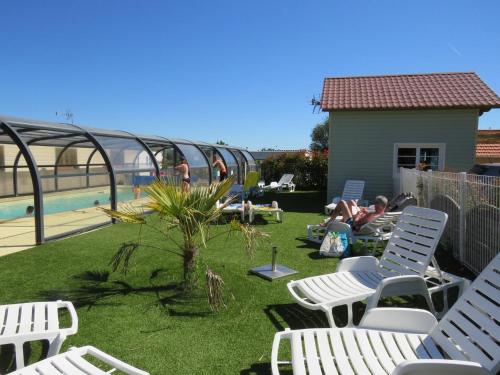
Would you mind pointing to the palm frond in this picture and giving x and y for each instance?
(126, 213)
(215, 289)
(253, 237)
(123, 255)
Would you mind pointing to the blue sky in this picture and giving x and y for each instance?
(239, 71)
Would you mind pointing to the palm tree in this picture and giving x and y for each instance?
(192, 214)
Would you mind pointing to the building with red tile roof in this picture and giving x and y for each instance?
(488, 153)
(379, 124)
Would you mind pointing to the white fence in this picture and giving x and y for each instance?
(472, 203)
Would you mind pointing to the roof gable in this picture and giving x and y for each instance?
(409, 91)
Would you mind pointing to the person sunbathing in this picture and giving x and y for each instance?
(357, 216)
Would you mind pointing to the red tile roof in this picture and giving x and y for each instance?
(408, 91)
(488, 149)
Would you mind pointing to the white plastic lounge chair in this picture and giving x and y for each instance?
(264, 209)
(73, 362)
(285, 182)
(377, 230)
(234, 208)
(353, 190)
(34, 321)
(400, 270)
(407, 341)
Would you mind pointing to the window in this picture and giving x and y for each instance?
(410, 155)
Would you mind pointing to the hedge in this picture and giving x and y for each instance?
(310, 173)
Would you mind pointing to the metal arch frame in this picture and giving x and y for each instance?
(35, 179)
(222, 156)
(56, 164)
(240, 178)
(244, 161)
(209, 164)
(149, 151)
(35, 140)
(225, 161)
(174, 146)
(87, 170)
(109, 166)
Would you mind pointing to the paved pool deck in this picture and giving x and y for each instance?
(19, 234)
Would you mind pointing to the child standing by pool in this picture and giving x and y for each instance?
(137, 191)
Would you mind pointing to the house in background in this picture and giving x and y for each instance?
(381, 123)
(488, 146)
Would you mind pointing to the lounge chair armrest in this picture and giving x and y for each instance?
(405, 285)
(74, 318)
(299, 299)
(355, 264)
(439, 367)
(116, 363)
(399, 319)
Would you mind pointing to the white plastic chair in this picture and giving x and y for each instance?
(406, 341)
(284, 182)
(73, 362)
(34, 321)
(400, 270)
(377, 230)
(353, 190)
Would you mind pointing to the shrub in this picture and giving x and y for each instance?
(310, 173)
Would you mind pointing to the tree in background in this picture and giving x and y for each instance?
(319, 136)
(221, 142)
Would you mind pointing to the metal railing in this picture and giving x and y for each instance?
(472, 203)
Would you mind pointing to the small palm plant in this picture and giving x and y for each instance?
(192, 214)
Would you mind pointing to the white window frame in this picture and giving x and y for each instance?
(418, 146)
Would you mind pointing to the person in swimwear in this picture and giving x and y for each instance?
(217, 163)
(357, 216)
(183, 170)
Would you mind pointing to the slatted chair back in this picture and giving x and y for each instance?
(286, 179)
(353, 190)
(470, 329)
(414, 239)
(386, 220)
(283, 179)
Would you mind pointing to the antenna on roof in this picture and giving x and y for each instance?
(68, 115)
(316, 104)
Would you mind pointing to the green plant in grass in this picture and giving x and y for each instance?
(192, 214)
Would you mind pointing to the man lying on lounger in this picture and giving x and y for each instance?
(357, 216)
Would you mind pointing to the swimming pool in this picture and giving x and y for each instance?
(62, 202)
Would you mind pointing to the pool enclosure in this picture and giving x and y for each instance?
(54, 177)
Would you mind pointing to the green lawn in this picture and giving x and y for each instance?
(140, 318)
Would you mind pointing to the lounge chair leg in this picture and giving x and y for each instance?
(349, 316)
(55, 345)
(19, 355)
(329, 316)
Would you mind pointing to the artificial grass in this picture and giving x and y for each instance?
(142, 319)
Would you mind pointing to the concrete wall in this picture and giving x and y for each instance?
(362, 144)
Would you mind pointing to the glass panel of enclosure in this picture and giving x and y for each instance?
(250, 161)
(126, 153)
(198, 166)
(166, 159)
(242, 164)
(231, 164)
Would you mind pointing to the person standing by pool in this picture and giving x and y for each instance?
(183, 169)
(217, 163)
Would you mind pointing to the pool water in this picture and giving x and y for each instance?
(64, 202)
